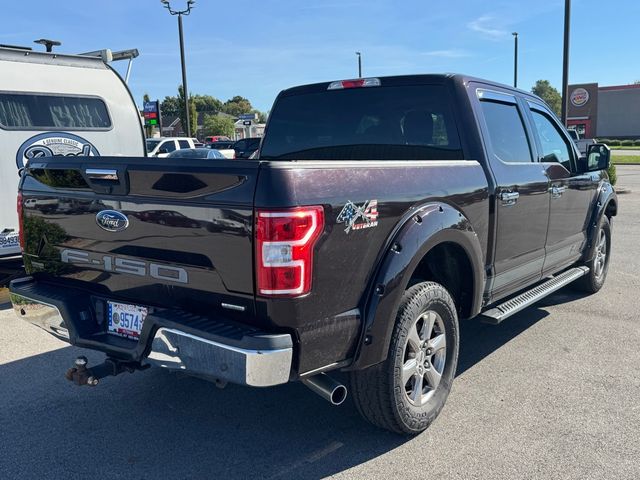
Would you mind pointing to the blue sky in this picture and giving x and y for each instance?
(255, 49)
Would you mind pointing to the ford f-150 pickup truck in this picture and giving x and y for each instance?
(377, 213)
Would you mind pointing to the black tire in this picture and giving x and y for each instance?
(379, 392)
(594, 280)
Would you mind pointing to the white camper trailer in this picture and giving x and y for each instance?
(58, 105)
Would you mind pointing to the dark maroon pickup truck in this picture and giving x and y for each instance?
(376, 214)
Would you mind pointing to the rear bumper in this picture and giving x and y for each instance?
(213, 348)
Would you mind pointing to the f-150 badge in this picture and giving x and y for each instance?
(359, 217)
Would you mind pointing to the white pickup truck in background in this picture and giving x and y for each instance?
(581, 143)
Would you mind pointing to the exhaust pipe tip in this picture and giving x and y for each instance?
(339, 395)
(325, 386)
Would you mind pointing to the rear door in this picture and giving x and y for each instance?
(185, 239)
(521, 203)
(570, 193)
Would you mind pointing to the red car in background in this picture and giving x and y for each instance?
(216, 138)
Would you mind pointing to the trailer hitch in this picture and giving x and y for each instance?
(80, 374)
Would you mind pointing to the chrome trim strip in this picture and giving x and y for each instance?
(177, 350)
(231, 306)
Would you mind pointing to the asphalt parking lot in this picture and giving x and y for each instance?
(553, 392)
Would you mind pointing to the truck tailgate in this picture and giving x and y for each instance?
(159, 232)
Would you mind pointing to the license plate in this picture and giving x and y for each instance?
(125, 320)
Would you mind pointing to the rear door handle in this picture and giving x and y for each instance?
(102, 174)
(509, 198)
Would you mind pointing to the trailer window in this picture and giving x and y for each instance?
(28, 111)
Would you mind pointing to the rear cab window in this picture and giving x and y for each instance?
(184, 144)
(31, 111)
(395, 122)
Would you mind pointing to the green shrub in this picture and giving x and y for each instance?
(637, 143)
(613, 177)
(627, 143)
(614, 143)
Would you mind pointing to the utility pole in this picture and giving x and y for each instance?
(359, 64)
(185, 90)
(515, 60)
(565, 60)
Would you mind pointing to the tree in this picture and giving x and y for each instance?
(546, 92)
(236, 106)
(218, 125)
(192, 112)
(170, 106)
(207, 103)
(148, 130)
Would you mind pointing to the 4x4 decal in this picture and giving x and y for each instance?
(359, 217)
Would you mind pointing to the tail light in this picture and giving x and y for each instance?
(284, 250)
(20, 221)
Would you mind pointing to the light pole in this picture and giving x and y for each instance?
(565, 60)
(359, 64)
(185, 90)
(515, 60)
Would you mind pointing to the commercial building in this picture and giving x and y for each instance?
(604, 112)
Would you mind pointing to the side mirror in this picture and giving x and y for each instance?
(598, 158)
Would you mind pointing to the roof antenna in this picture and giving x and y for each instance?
(49, 44)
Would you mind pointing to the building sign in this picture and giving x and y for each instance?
(152, 117)
(579, 97)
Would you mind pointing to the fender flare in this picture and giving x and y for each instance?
(424, 228)
(605, 196)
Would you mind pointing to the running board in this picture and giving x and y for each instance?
(500, 312)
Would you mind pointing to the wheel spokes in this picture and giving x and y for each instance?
(414, 339)
(409, 370)
(438, 343)
(416, 395)
(433, 377)
(427, 325)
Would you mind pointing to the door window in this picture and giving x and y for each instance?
(184, 144)
(555, 147)
(169, 146)
(506, 132)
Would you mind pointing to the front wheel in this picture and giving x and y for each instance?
(593, 281)
(406, 392)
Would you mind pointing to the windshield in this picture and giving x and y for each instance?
(378, 123)
(151, 144)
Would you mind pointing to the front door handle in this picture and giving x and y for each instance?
(509, 198)
(557, 191)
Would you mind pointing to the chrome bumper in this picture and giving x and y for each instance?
(41, 314)
(243, 362)
(176, 350)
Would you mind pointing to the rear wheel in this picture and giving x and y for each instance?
(599, 264)
(406, 392)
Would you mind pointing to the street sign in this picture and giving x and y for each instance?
(248, 116)
(152, 115)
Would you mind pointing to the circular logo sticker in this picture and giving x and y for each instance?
(54, 144)
(579, 97)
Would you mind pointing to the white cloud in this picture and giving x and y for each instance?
(483, 25)
(452, 53)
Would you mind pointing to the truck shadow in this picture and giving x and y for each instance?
(156, 424)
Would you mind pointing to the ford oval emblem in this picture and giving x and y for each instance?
(112, 220)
